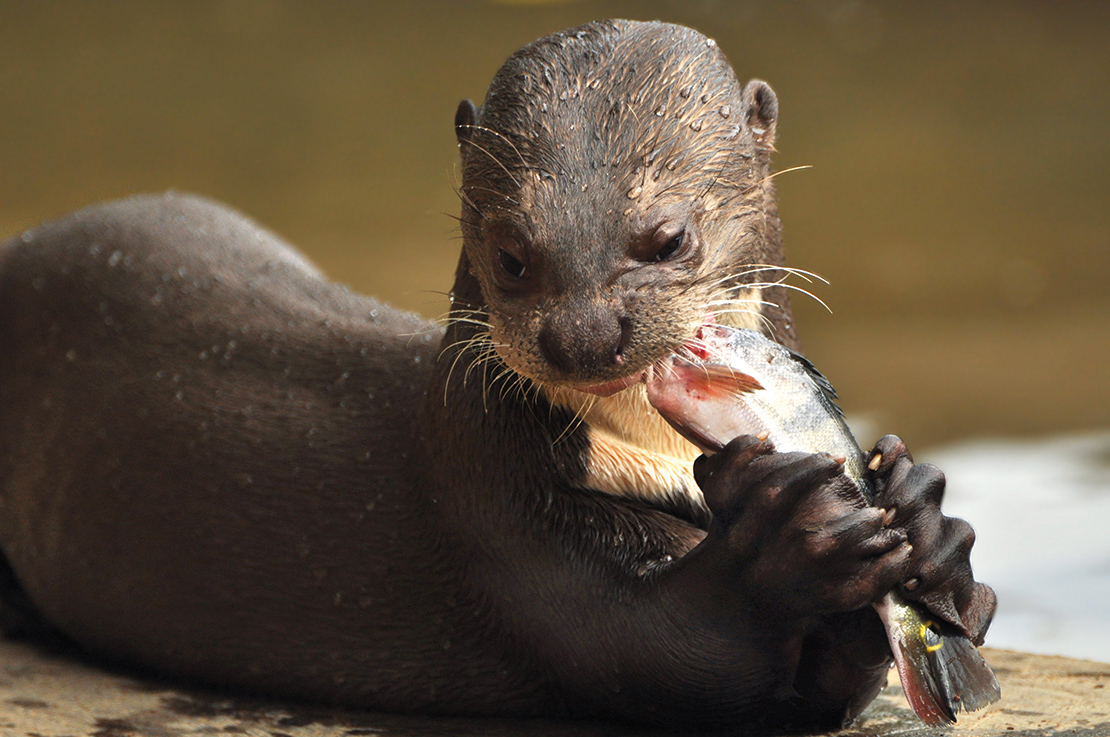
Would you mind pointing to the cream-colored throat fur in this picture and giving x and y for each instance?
(633, 451)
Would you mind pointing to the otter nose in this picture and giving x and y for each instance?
(585, 344)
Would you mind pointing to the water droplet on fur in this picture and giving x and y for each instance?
(695, 125)
(725, 111)
(635, 192)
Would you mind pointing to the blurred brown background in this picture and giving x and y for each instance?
(958, 200)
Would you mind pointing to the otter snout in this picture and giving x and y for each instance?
(586, 344)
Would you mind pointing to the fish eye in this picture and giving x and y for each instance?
(511, 265)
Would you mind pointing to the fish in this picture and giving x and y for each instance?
(735, 381)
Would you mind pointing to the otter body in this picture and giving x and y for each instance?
(217, 464)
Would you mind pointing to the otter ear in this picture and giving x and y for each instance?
(465, 118)
(761, 111)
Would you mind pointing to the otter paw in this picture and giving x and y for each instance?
(798, 532)
(939, 571)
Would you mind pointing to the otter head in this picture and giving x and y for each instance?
(616, 197)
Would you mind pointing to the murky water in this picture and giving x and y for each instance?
(957, 201)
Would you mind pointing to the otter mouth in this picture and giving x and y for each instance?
(694, 347)
(609, 388)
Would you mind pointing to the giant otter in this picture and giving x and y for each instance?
(217, 464)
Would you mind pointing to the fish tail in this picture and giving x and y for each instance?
(942, 673)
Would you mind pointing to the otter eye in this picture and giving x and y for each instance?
(511, 264)
(670, 248)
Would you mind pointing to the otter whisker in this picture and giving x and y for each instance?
(738, 302)
(431, 328)
(502, 195)
(461, 347)
(495, 160)
(576, 421)
(519, 385)
(771, 176)
(502, 136)
(806, 292)
(763, 319)
(781, 283)
(715, 281)
(469, 203)
(807, 276)
(468, 321)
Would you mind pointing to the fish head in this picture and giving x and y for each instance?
(698, 398)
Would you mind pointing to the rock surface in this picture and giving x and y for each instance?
(49, 694)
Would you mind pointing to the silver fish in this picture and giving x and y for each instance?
(735, 382)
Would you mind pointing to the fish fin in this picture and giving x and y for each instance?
(722, 381)
(942, 673)
(823, 384)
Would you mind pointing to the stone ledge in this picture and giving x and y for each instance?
(45, 694)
